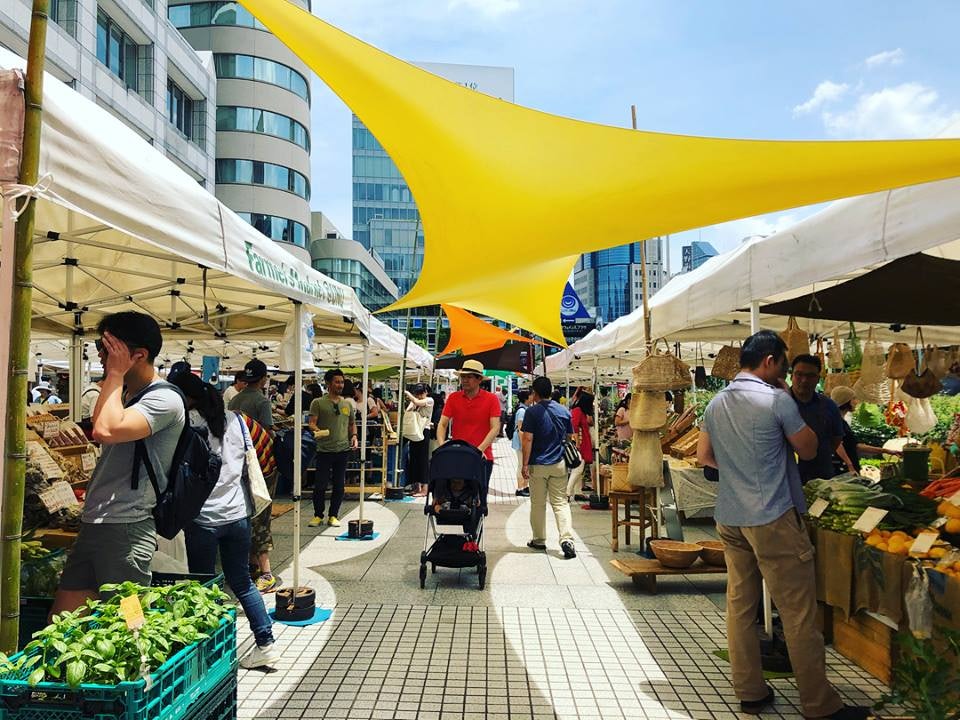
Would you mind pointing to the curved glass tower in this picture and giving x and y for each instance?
(262, 119)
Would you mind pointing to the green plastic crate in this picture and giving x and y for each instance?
(219, 704)
(181, 682)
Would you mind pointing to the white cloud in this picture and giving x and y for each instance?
(887, 57)
(491, 8)
(910, 110)
(826, 92)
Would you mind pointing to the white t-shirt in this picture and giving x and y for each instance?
(228, 501)
(229, 394)
(88, 400)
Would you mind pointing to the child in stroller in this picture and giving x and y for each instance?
(455, 497)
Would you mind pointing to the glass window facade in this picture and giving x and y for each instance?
(248, 67)
(385, 217)
(245, 119)
(180, 109)
(370, 291)
(117, 50)
(278, 228)
(255, 172)
(204, 14)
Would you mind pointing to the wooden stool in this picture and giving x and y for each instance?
(642, 520)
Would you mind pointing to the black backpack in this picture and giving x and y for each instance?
(512, 422)
(193, 475)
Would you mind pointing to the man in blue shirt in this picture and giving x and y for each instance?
(821, 415)
(546, 425)
(750, 431)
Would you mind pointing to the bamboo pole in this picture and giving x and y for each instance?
(15, 462)
(297, 441)
(402, 401)
(647, 340)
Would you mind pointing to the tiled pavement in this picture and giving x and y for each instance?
(547, 638)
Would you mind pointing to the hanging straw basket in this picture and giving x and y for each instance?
(648, 411)
(726, 364)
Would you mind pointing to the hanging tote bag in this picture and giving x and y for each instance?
(648, 411)
(645, 469)
(937, 360)
(835, 356)
(872, 367)
(921, 384)
(821, 356)
(413, 424)
(256, 484)
(852, 354)
(834, 380)
(726, 364)
(796, 339)
(700, 370)
(900, 361)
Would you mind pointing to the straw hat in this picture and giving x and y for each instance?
(471, 367)
(842, 394)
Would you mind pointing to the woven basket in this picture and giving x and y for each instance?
(618, 479)
(648, 411)
(657, 371)
(675, 554)
(712, 552)
(835, 356)
(900, 361)
(726, 364)
(796, 339)
(834, 380)
(872, 365)
(645, 468)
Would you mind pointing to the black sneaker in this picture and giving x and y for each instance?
(525, 492)
(851, 712)
(568, 549)
(755, 707)
(536, 546)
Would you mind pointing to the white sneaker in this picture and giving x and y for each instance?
(266, 656)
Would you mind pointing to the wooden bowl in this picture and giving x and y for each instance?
(712, 552)
(675, 554)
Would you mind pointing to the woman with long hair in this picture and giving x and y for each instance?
(622, 419)
(581, 416)
(418, 461)
(224, 521)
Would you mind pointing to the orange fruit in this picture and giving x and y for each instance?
(952, 526)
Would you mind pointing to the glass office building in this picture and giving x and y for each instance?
(610, 283)
(385, 216)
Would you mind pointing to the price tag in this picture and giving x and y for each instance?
(132, 612)
(88, 461)
(59, 496)
(955, 499)
(51, 429)
(818, 507)
(939, 522)
(869, 520)
(923, 543)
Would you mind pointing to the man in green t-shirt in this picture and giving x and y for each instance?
(334, 413)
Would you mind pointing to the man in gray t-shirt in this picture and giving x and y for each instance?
(117, 535)
(251, 401)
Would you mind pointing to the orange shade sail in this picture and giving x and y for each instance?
(470, 334)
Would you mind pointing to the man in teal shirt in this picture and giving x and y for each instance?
(334, 413)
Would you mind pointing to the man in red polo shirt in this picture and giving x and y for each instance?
(475, 414)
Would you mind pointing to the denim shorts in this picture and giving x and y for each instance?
(110, 553)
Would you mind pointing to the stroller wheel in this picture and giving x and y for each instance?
(423, 575)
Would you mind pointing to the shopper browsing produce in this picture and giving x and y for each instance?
(117, 535)
(751, 430)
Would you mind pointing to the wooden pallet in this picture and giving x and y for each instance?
(644, 572)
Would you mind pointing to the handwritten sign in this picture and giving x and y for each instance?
(923, 543)
(88, 461)
(869, 520)
(132, 612)
(59, 496)
(51, 429)
(818, 507)
(955, 499)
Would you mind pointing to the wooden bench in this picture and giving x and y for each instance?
(644, 571)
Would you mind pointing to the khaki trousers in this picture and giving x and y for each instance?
(549, 482)
(780, 553)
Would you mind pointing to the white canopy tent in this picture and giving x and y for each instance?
(119, 226)
(846, 240)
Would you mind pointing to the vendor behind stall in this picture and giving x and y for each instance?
(847, 458)
(821, 415)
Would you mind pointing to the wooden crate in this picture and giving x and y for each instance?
(866, 641)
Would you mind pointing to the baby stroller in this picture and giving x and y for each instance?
(455, 497)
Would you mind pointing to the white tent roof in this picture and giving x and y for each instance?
(847, 239)
(121, 227)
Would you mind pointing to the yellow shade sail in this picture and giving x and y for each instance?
(509, 196)
(471, 334)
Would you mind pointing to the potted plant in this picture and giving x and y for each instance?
(926, 678)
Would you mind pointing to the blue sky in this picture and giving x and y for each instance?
(833, 70)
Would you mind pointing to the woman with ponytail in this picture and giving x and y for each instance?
(224, 522)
